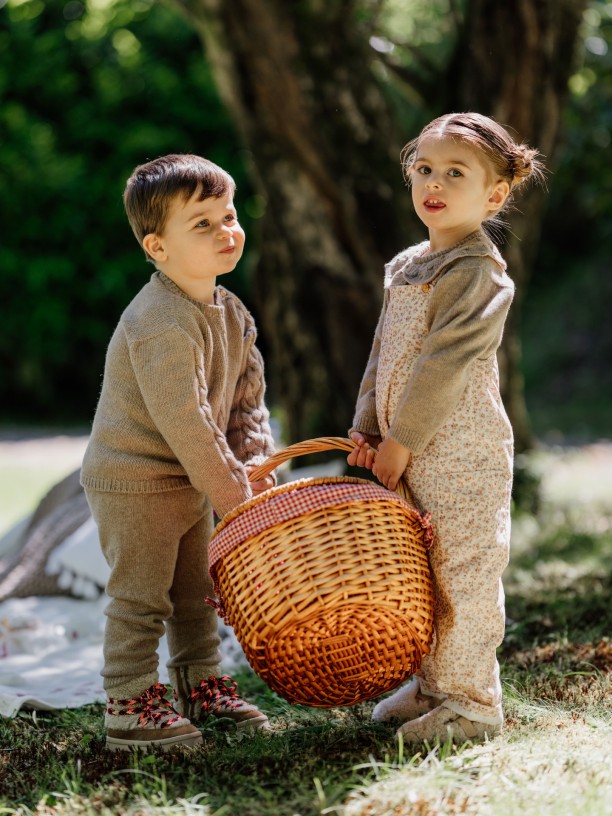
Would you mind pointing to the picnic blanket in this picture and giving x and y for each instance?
(52, 600)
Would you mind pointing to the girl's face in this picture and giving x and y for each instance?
(453, 189)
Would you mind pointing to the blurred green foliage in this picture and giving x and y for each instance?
(90, 89)
(87, 92)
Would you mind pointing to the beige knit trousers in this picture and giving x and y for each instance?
(156, 545)
(464, 479)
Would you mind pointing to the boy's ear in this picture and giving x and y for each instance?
(500, 193)
(153, 245)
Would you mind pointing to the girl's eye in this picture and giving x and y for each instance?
(424, 170)
(229, 218)
(203, 223)
(455, 173)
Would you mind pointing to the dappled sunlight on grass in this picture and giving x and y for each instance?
(554, 757)
(544, 763)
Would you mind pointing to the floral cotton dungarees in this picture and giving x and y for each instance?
(463, 478)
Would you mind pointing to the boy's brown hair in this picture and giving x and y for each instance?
(151, 188)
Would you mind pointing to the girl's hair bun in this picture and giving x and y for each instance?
(523, 163)
(513, 161)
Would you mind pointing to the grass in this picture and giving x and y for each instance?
(554, 757)
(28, 469)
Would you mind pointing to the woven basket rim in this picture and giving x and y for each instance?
(284, 506)
(298, 484)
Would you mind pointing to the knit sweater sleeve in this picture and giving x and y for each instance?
(170, 371)
(467, 312)
(248, 429)
(365, 419)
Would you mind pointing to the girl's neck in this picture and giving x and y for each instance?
(439, 242)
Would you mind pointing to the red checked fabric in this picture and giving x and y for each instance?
(289, 505)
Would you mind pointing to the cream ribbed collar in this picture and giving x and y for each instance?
(416, 265)
(220, 292)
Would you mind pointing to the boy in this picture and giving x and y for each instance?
(180, 422)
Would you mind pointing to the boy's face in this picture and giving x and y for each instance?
(200, 240)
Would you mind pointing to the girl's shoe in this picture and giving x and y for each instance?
(148, 720)
(217, 697)
(407, 703)
(442, 724)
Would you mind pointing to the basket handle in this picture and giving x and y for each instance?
(321, 443)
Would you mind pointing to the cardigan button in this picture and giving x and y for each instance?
(426, 287)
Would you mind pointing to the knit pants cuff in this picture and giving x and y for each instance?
(128, 689)
(186, 678)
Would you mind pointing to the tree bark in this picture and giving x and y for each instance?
(325, 157)
(513, 61)
(298, 80)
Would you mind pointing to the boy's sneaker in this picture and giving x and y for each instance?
(217, 697)
(148, 720)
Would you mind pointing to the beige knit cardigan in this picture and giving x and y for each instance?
(470, 295)
(182, 399)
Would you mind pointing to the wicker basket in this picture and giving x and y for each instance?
(326, 583)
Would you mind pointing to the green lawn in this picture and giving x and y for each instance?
(553, 759)
(29, 467)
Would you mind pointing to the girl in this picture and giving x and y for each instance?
(429, 406)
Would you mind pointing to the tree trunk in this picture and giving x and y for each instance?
(325, 158)
(298, 80)
(513, 61)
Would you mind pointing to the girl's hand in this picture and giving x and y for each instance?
(391, 461)
(363, 454)
(261, 485)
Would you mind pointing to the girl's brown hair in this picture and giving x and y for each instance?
(508, 160)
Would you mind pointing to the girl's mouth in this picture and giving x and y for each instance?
(228, 250)
(433, 204)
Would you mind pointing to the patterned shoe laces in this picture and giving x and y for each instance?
(215, 693)
(151, 705)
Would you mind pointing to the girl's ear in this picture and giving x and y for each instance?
(153, 245)
(499, 194)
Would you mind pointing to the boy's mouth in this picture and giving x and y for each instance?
(228, 250)
(433, 204)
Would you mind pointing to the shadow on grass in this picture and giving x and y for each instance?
(557, 648)
(580, 612)
(251, 775)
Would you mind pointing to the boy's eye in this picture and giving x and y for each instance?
(424, 170)
(230, 217)
(203, 223)
(454, 172)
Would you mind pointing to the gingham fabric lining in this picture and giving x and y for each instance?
(288, 505)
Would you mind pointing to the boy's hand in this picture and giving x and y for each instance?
(261, 485)
(363, 454)
(391, 461)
